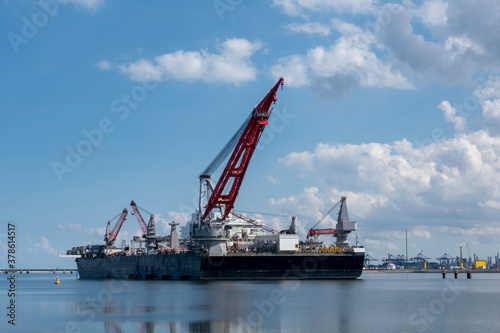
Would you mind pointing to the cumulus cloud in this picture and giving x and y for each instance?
(450, 114)
(42, 247)
(432, 190)
(386, 51)
(349, 63)
(104, 65)
(310, 28)
(431, 12)
(301, 7)
(423, 58)
(231, 64)
(374, 244)
(489, 98)
(483, 230)
(477, 21)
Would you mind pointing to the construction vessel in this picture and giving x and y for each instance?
(219, 243)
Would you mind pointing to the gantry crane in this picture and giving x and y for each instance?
(111, 235)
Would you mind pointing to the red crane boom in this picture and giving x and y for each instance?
(236, 167)
(138, 215)
(316, 232)
(118, 226)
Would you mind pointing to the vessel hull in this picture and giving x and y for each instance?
(188, 266)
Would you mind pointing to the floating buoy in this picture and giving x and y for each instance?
(57, 280)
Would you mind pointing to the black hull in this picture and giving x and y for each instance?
(188, 266)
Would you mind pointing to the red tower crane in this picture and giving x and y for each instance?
(138, 215)
(111, 235)
(229, 183)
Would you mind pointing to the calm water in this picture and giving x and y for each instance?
(378, 302)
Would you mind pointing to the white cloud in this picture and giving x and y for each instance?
(450, 114)
(432, 12)
(141, 70)
(89, 4)
(310, 28)
(104, 65)
(162, 223)
(458, 45)
(388, 52)
(483, 230)
(179, 217)
(374, 244)
(273, 180)
(312, 204)
(418, 231)
(450, 187)
(76, 227)
(489, 98)
(42, 248)
(347, 64)
(453, 182)
(298, 7)
(231, 64)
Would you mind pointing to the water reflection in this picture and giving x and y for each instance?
(376, 302)
(221, 306)
(172, 327)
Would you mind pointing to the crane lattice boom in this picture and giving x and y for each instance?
(118, 226)
(138, 215)
(317, 232)
(234, 172)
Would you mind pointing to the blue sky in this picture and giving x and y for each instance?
(396, 105)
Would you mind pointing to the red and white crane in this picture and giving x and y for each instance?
(111, 235)
(313, 232)
(138, 215)
(242, 145)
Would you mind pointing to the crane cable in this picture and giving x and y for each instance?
(115, 217)
(261, 213)
(229, 147)
(145, 211)
(324, 216)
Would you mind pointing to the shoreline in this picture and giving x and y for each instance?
(38, 270)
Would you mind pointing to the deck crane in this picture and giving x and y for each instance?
(313, 232)
(343, 227)
(138, 215)
(111, 235)
(242, 145)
